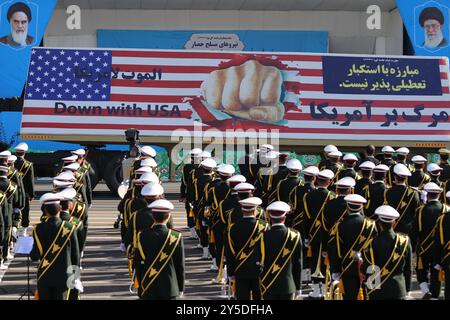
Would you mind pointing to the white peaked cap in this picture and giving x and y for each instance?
(71, 158)
(147, 151)
(143, 170)
(432, 187)
(348, 182)
(387, 149)
(209, 163)
(367, 165)
(294, 165)
(387, 213)
(148, 178)
(66, 176)
(402, 150)
(311, 171)
(195, 152)
(12, 159)
(152, 189)
(278, 209)
(330, 148)
(381, 168)
(418, 159)
(205, 154)
(148, 162)
(73, 166)
(434, 169)
(79, 152)
(355, 199)
(350, 156)
(238, 178)
(335, 154)
(50, 198)
(226, 169)
(401, 170)
(251, 202)
(68, 193)
(244, 187)
(326, 174)
(22, 146)
(161, 205)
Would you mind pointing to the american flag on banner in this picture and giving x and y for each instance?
(72, 93)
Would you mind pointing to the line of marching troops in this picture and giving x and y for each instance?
(59, 237)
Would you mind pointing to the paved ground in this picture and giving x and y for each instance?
(105, 273)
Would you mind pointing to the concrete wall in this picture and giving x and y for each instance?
(347, 29)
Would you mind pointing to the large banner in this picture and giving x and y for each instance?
(98, 93)
(222, 40)
(428, 25)
(22, 26)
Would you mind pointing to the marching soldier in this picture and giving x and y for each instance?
(434, 170)
(392, 253)
(388, 151)
(15, 177)
(227, 205)
(281, 257)
(85, 171)
(314, 204)
(325, 162)
(366, 177)
(441, 250)
(418, 178)
(263, 183)
(404, 199)
(242, 254)
(422, 237)
(348, 170)
(218, 191)
(198, 171)
(444, 163)
(348, 238)
(402, 154)
(284, 187)
(374, 193)
(370, 155)
(258, 161)
(56, 248)
(186, 183)
(280, 174)
(334, 161)
(244, 191)
(145, 152)
(26, 170)
(159, 257)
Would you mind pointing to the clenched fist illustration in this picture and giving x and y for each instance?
(250, 91)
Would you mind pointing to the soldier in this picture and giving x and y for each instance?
(348, 238)
(402, 154)
(199, 195)
(85, 171)
(366, 176)
(281, 257)
(159, 258)
(434, 170)
(284, 187)
(280, 174)
(198, 171)
(242, 258)
(145, 152)
(218, 191)
(418, 178)
(334, 161)
(263, 184)
(348, 170)
(59, 236)
(187, 183)
(15, 177)
(26, 170)
(422, 237)
(258, 161)
(391, 252)
(325, 162)
(444, 163)
(227, 205)
(370, 155)
(388, 151)
(441, 249)
(374, 193)
(314, 204)
(403, 198)
(244, 190)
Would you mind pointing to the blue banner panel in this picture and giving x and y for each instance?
(427, 24)
(22, 26)
(383, 76)
(233, 40)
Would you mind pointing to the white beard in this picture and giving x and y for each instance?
(19, 37)
(435, 41)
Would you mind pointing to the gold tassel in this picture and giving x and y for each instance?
(212, 239)
(36, 295)
(419, 263)
(441, 275)
(136, 282)
(326, 261)
(191, 213)
(341, 286)
(361, 294)
(309, 253)
(130, 267)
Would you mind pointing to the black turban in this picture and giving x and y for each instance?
(19, 7)
(431, 13)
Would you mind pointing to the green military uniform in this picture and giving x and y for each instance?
(281, 261)
(285, 187)
(441, 249)
(159, 263)
(199, 195)
(16, 178)
(333, 211)
(187, 183)
(243, 256)
(392, 253)
(390, 174)
(12, 201)
(361, 184)
(26, 170)
(348, 238)
(131, 202)
(296, 216)
(59, 236)
(374, 194)
(418, 179)
(445, 165)
(422, 237)
(2, 208)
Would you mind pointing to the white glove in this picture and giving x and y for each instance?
(298, 294)
(16, 210)
(78, 285)
(324, 254)
(335, 276)
(306, 243)
(181, 294)
(14, 232)
(437, 267)
(231, 279)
